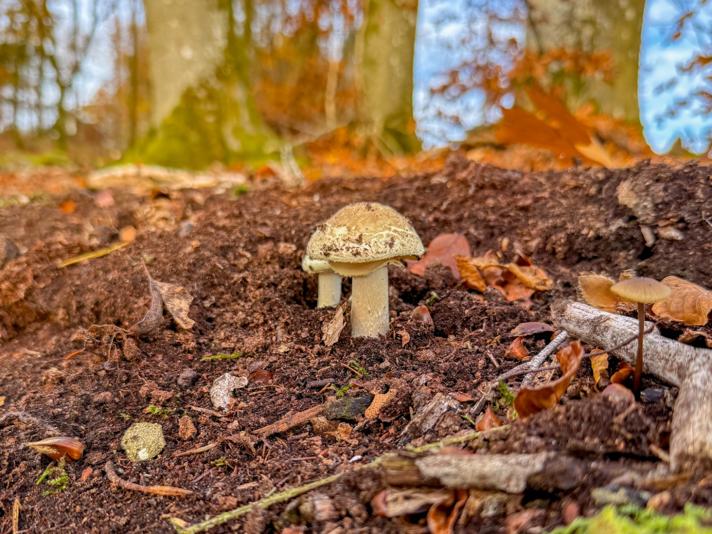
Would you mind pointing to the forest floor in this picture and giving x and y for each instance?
(71, 365)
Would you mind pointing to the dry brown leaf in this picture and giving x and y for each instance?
(177, 301)
(621, 375)
(59, 447)
(688, 303)
(599, 366)
(152, 319)
(443, 515)
(596, 291)
(532, 400)
(380, 401)
(470, 274)
(696, 338)
(517, 350)
(531, 276)
(531, 329)
(488, 421)
(332, 330)
(443, 250)
(513, 291)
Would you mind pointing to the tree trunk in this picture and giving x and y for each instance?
(202, 106)
(590, 26)
(384, 58)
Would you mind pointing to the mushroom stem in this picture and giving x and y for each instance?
(369, 304)
(329, 290)
(639, 354)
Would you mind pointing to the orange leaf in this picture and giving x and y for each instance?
(622, 374)
(688, 303)
(488, 421)
(596, 291)
(443, 250)
(68, 207)
(532, 329)
(470, 274)
(59, 447)
(442, 516)
(532, 400)
(517, 350)
(531, 276)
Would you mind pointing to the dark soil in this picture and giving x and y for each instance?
(239, 257)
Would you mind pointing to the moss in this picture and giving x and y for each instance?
(221, 356)
(143, 441)
(55, 477)
(158, 410)
(632, 520)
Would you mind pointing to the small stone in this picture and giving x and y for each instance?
(187, 377)
(671, 233)
(131, 351)
(652, 395)
(143, 441)
(185, 229)
(348, 408)
(221, 392)
(102, 398)
(186, 428)
(570, 510)
(618, 393)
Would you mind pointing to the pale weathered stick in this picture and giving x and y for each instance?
(688, 367)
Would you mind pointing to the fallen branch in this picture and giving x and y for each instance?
(197, 450)
(684, 366)
(164, 491)
(290, 421)
(92, 255)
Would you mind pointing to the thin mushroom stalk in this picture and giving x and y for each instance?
(369, 304)
(639, 355)
(329, 290)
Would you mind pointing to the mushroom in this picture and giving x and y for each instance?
(642, 291)
(329, 282)
(359, 241)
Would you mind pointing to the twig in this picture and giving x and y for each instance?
(197, 450)
(206, 411)
(290, 421)
(164, 491)
(16, 516)
(547, 351)
(92, 255)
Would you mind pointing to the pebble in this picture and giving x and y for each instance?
(143, 441)
(348, 408)
(186, 428)
(652, 395)
(187, 377)
(221, 391)
(618, 393)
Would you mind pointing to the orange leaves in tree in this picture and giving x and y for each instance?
(688, 303)
(532, 400)
(444, 249)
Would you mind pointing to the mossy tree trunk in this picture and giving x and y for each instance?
(202, 106)
(590, 26)
(384, 70)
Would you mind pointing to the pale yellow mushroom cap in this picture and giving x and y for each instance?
(642, 290)
(364, 233)
(313, 266)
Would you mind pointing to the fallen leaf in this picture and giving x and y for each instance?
(513, 291)
(461, 396)
(696, 338)
(622, 374)
(599, 366)
(260, 376)
(443, 515)
(332, 330)
(68, 207)
(177, 301)
(380, 401)
(152, 318)
(399, 502)
(596, 290)
(444, 250)
(59, 447)
(530, 275)
(488, 421)
(86, 473)
(517, 350)
(531, 329)
(470, 274)
(688, 303)
(405, 337)
(532, 400)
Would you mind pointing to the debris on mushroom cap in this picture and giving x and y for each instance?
(642, 290)
(310, 265)
(365, 232)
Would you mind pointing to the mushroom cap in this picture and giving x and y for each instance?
(642, 290)
(365, 232)
(311, 265)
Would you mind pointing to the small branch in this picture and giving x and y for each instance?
(197, 450)
(289, 421)
(16, 516)
(547, 351)
(164, 491)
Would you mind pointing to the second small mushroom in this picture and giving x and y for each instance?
(329, 282)
(359, 241)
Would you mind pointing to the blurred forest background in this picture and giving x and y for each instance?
(238, 83)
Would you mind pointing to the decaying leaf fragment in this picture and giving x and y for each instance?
(443, 515)
(599, 366)
(176, 300)
(621, 375)
(688, 303)
(488, 421)
(530, 275)
(470, 274)
(532, 400)
(532, 328)
(59, 447)
(596, 290)
(444, 249)
(517, 350)
(332, 330)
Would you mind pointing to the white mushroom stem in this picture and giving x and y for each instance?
(369, 304)
(684, 366)
(329, 290)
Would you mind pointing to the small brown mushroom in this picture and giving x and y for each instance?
(329, 282)
(641, 291)
(359, 241)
